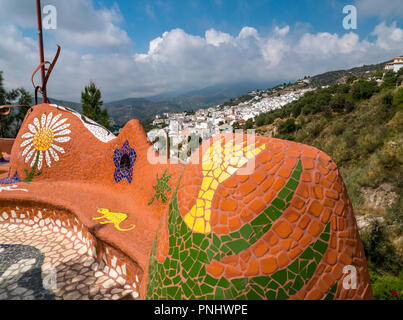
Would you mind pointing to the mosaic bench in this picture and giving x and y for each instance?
(247, 218)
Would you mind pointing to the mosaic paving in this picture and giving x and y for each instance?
(34, 243)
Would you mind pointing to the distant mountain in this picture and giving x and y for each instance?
(73, 105)
(144, 108)
(138, 108)
(212, 95)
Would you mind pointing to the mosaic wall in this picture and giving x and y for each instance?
(114, 225)
(283, 232)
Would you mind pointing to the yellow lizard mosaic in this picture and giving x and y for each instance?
(113, 217)
(218, 164)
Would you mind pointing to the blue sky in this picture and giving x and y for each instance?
(148, 47)
(145, 19)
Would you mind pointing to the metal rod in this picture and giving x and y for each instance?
(41, 51)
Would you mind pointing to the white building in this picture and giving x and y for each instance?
(395, 65)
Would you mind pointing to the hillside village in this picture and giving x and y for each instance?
(240, 112)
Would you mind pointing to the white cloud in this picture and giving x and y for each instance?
(78, 22)
(177, 60)
(282, 31)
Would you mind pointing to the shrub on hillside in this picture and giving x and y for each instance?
(398, 98)
(287, 126)
(385, 287)
(387, 165)
(363, 89)
(379, 250)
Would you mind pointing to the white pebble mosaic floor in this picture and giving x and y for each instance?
(52, 259)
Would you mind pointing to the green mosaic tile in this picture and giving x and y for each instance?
(203, 257)
(296, 175)
(240, 283)
(188, 263)
(166, 263)
(210, 280)
(178, 295)
(258, 290)
(197, 239)
(290, 275)
(311, 269)
(294, 266)
(317, 256)
(204, 244)
(289, 198)
(307, 254)
(273, 213)
(246, 230)
(184, 229)
(224, 283)
(219, 294)
(320, 246)
(271, 295)
(283, 193)
(167, 282)
(235, 235)
(298, 283)
(238, 245)
(186, 290)
(279, 204)
(195, 269)
(253, 295)
(228, 294)
(273, 285)
(325, 237)
(260, 220)
(303, 263)
(262, 281)
(206, 289)
(202, 272)
(281, 295)
(172, 241)
(292, 184)
(194, 253)
(280, 276)
(197, 291)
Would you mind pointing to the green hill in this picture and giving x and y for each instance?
(360, 125)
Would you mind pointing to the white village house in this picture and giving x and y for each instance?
(395, 65)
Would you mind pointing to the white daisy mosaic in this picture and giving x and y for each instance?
(41, 141)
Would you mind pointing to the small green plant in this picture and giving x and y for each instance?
(161, 188)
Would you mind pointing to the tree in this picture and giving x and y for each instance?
(363, 89)
(10, 124)
(91, 105)
(389, 80)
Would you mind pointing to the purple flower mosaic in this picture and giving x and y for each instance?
(124, 159)
(10, 180)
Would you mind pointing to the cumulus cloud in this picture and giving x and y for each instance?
(177, 60)
(79, 23)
